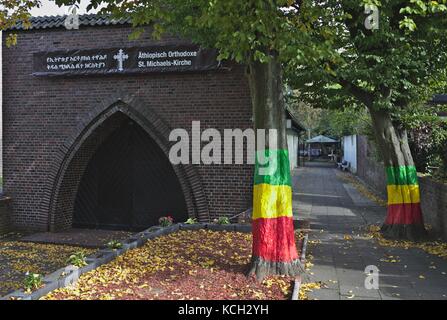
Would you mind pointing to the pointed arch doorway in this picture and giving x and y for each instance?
(128, 182)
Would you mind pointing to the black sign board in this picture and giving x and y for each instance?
(169, 58)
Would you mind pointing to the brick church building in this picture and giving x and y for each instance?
(89, 145)
(87, 115)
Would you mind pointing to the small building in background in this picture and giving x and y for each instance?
(349, 145)
(321, 146)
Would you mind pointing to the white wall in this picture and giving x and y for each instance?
(350, 151)
(292, 143)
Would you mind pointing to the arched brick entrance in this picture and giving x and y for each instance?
(73, 157)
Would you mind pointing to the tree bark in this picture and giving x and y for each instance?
(404, 215)
(274, 250)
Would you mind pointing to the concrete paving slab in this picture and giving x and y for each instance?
(340, 263)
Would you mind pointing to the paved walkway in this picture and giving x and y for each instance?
(338, 212)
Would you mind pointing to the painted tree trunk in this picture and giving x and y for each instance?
(274, 250)
(404, 218)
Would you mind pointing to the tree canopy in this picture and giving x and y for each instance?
(325, 45)
(240, 30)
(328, 48)
(12, 11)
(400, 63)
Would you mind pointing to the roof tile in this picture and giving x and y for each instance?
(47, 22)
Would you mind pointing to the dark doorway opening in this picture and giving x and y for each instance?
(128, 184)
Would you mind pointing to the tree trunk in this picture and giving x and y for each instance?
(404, 218)
(274, 250)
(444, 160)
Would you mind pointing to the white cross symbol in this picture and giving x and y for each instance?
(120, 57)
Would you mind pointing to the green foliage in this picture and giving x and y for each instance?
(12, 11)
(32, 281)
(223, 220)
(330, 122)
(326, 50)
(77, 259)
(428, 138)
(345, 122)
(243, 31)
(309, 116)
(191, 221)
(114, 244)
(392, 67)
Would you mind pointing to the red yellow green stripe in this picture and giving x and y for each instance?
(404, 214)
(401, 175)
(272, 201)
(278, 160)
(403, 194)
(273, 235)
(404, 206)
(274, 240)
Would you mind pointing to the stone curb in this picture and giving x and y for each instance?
(296, 289)
(68, 275)
(304, 248)
(297, 282)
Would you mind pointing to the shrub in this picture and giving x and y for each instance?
(77, 259)
(191, 221)
(32, 281)
(114, 244)
(166, 221)
(223, 220)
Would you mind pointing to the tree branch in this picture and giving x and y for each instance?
(361, 95)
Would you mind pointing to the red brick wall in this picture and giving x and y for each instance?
(4, 216)
(42, 116)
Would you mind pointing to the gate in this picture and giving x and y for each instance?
(128, 184)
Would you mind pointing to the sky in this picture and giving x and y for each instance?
(49, 8)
